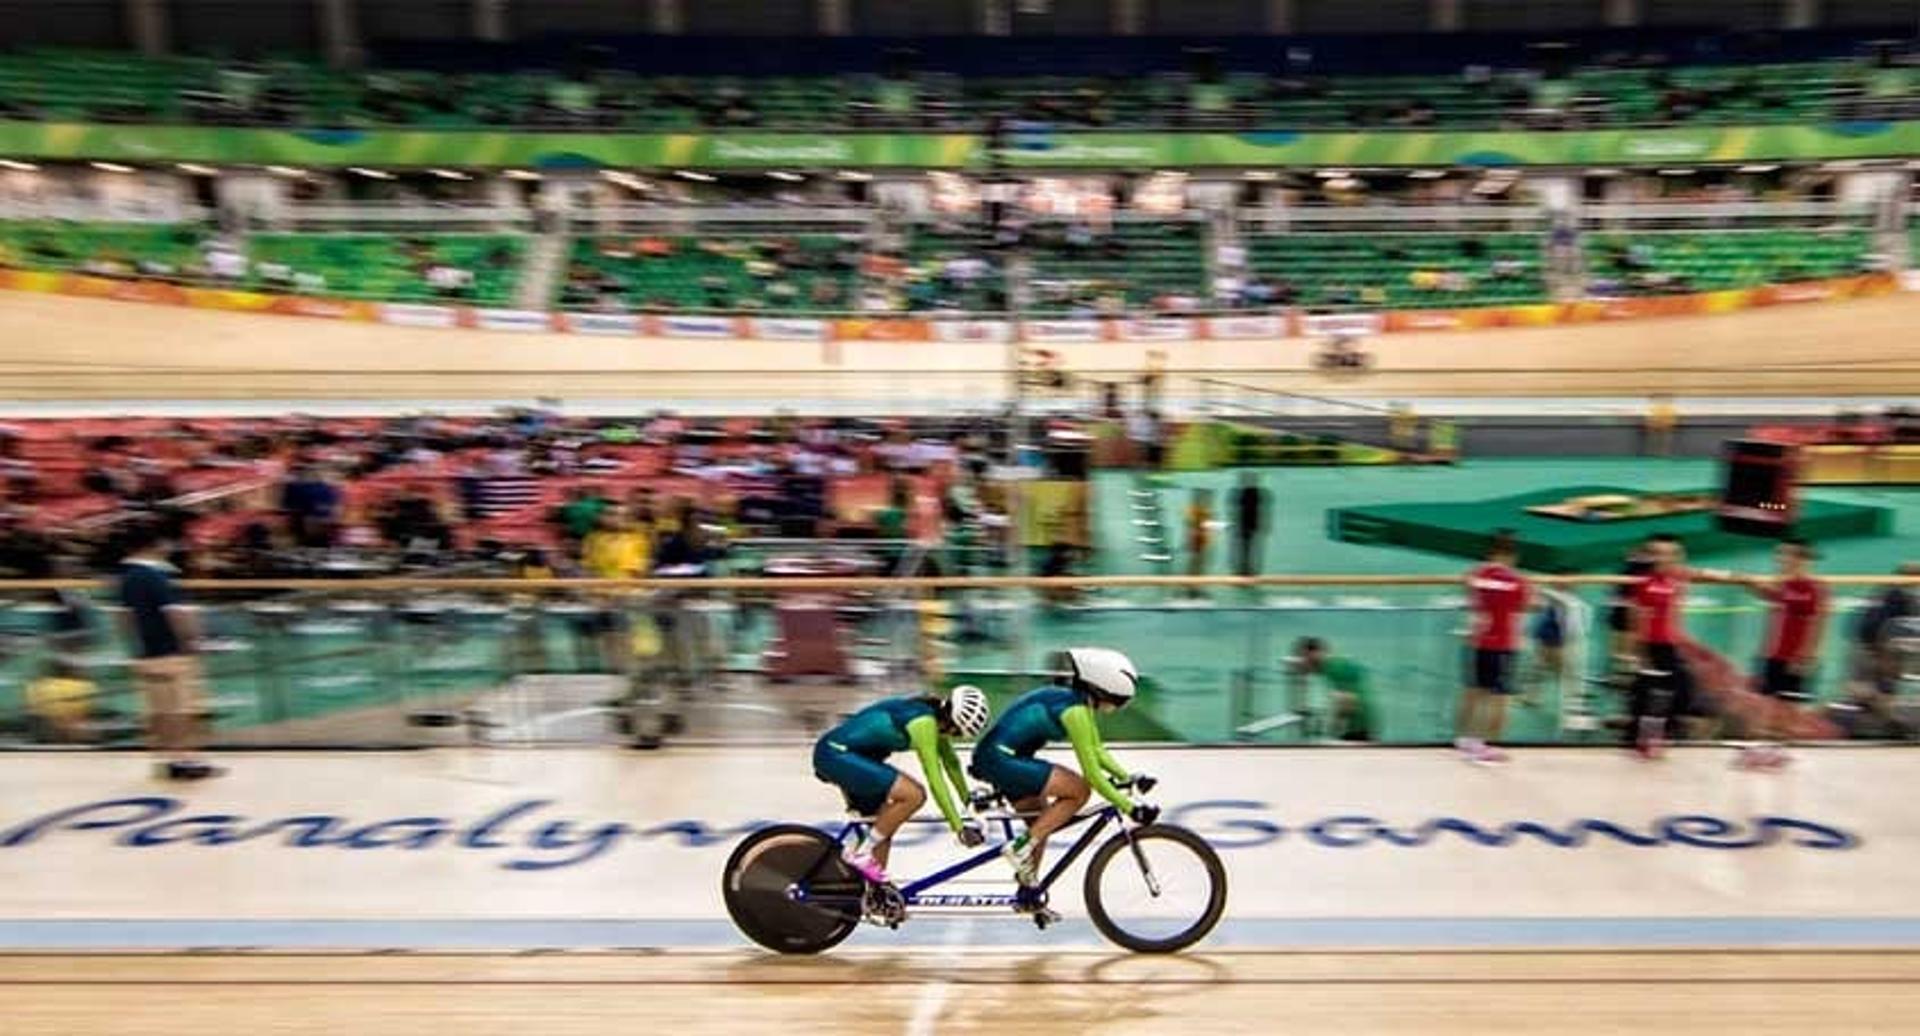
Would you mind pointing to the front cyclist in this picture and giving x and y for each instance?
(1098, 680)
(853, 757)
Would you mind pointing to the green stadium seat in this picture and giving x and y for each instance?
(771, 272)
(1404, 270)
(1683, 261)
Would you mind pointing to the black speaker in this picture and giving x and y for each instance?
(1759, 494)
(1069, 462)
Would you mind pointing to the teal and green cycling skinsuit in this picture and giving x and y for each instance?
(853, 755)
(1005, 759)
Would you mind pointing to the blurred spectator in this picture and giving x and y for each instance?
(412, 522)
(890, 519)
(1144, 432)
(1657, 427)
(166, 667)
(1250, 517)
(1199, 531)
(61, 701)
(449, 281)
(686, 550)
(617, 548)
(1887, 631)
(1351, 713)
(311, 505)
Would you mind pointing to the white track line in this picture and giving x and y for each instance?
(934, 995)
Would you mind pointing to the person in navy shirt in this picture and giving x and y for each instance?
(166, 667)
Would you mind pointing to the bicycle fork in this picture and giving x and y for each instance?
(1146, 869)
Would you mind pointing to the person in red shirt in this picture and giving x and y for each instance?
(1793, 642)
(1498, 595)
(1662, 694)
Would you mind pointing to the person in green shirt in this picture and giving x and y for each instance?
(1098, 680)
(853, 758)
(890, 521)
(580, 515)
(1353, 716)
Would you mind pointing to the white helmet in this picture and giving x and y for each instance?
(1103, 672)
(967, 710)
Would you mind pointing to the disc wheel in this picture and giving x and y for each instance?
(787, 889)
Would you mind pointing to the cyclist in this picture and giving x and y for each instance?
(1098, 680)
(853, 757)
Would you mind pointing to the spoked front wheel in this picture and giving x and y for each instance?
(1156, 889)
(788, 890)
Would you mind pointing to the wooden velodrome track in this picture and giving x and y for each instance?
(56, 348)
(1001, 992)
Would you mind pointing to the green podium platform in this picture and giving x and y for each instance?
(1562, 545)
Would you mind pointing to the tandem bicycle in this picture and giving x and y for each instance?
(1151, 888)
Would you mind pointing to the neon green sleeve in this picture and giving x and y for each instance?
(924, 734)
(1095, 763)
(950, 761)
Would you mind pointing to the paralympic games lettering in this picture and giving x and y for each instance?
(528, 841)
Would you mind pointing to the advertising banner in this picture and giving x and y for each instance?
(1246, 327)
(1799, 141)
(1160, 329)
(407, 314)
(1332, 325)
(880, 329)
(601, 323)
(971, 330)
(502, 148)
(787, 329)
(325, 309)
(695, 327)
(1065, 330)
(490, 148)
(513, 320)
(914, 329)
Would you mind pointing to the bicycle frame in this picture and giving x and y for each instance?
(917, 893)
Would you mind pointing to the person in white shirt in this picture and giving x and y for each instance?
(1226, 289)
(226, 264)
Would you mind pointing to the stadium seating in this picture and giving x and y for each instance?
(1403, 271)
(363, 266)
(49, 245)
(1138, 261)
(1682, 261)
(772, 272)
(392, 268)
(105, 86)
(1135, 262)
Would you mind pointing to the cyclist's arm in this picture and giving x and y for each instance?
(1095, 763)
(923, 734)
(950, 761)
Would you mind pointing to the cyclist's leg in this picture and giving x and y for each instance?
(903, 800)
(872, 789)
(1065, 793)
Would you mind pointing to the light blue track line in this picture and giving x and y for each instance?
(1267, 933)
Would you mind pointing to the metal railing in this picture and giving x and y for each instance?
(419, 662)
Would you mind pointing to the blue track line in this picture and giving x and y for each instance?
(1266, 933)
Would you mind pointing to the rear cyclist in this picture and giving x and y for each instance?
(853, 757)
(1098, 680)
